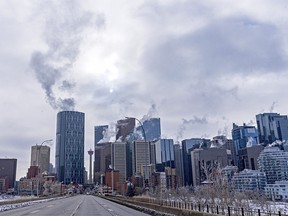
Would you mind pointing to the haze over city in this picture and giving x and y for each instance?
(199, 66)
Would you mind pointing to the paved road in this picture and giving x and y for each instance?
(81, 205)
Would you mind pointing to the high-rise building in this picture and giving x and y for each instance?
(40, 156)
(69, 160)
(243, 136)
(99, 132)
(124, 128)
(206, 162)
(8, 169)
(187, 146)
(102, 161)
(272, 127)
(141, 158)
(164, 151)
(273, 162)
(152, 129)
(120, 160)
(179, 163)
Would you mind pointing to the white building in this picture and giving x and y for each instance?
(273, 162)
(277, 191)
(249, 180)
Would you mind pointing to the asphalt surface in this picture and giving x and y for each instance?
(81, 205)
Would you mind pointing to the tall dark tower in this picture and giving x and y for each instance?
(90, 152)
(69, 159)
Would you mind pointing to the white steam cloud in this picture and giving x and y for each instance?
(65, 25)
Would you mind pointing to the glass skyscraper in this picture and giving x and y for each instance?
(272, 127)
(69, 158)
(152, 129)
(243, 136)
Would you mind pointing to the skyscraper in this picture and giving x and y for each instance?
(124, 128)
(187, 146)
(8, 169)
(164, 152)
(272, 127)
(140, 158)
(99, 132)
(179, 163)
(40, 156)
(69, 160)
(243, 136)
(152, 129)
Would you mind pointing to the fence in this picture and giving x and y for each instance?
(214, 209)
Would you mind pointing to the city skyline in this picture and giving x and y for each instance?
(198, 66)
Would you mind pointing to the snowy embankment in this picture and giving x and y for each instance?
(19, 202)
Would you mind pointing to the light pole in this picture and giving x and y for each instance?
(146, 159)
(37, 161)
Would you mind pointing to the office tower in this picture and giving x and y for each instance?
(69, 160)
(99, 132)
(40, 156)
(179, 163)
(242, 137)
(141, 158)
(272, 127)
(273, 162)
(164, 151)
(124, 128)
(152, 129)
(249, 180)
(248, 157)
(120, 160)
(102, 160)
(90, 153)
(205, 162)
(8, 169)
(187, 146)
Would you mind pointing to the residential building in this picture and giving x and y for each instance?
(69, 160)
(277, 191)
(273, 162)
(8, 169)
(251, 180)
(272, 127)
(40, 156)
(206, 162)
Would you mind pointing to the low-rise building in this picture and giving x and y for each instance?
(277, 191)
(249, 180)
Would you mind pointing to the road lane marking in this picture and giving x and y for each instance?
(50, 206)
(33, 212)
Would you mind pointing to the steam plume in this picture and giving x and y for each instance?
(65, 25)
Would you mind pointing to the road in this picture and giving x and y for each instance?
(81, 205)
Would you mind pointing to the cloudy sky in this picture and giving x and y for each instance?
(198, 65)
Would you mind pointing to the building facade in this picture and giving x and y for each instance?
(141, 158)
(99, 133)
(251, 180)
(272, 127)
(187, 146)
(8, 169)
(273, 162)
(124, 128)
(164, 153)
(152, 129)
(248, 157)
(70, 147)
(40, 156)
(243, 136)
(179, 163)
(205, 163)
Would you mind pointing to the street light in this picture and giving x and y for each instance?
(146, 159)
(37, 160)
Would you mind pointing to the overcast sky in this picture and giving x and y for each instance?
(198, 65)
